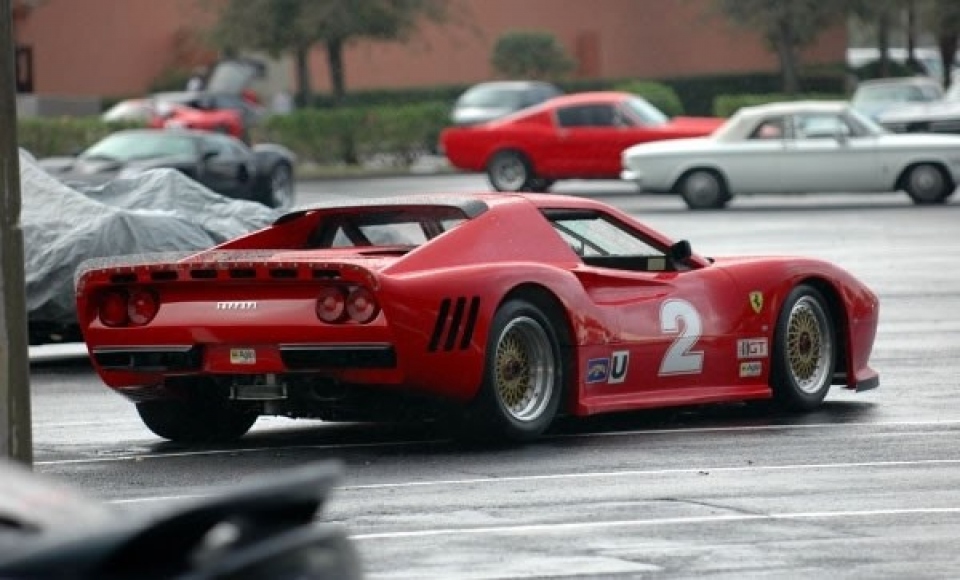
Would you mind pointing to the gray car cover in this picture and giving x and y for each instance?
(160, 210)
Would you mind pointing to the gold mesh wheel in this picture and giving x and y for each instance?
(524, 369)
(809, 347)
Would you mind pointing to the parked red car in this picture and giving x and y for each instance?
(497, 312)
(578, 136)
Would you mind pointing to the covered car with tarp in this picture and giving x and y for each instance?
(157, 211)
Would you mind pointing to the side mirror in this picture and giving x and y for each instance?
(208, 155)
(680, 251)
(841, 136)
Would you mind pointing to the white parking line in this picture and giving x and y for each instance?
(601, 474)
(686, 431)
(554, 527)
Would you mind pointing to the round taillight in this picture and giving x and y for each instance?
(113, 308)
(362, 305)
(331, 304)
(142, 306)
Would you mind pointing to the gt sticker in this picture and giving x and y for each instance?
(611, 370)
(756, 301)
(752, 368)
(243, 356)
(752, 348)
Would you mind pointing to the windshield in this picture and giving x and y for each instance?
(893, 94)
(864, 125)
(647, 113)
(492, 96)
(141, 145)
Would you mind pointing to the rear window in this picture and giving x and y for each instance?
(406, 227)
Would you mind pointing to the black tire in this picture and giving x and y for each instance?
(281, 187)
(523, 379)
(509, 171)
(540, 185)
(197, 419)
(704, 189)
(927, 184)
(804, 351)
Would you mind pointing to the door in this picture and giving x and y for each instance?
(226, 169)
(586, 143)
(829, 154)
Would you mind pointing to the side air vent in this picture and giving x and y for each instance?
(243, 273)
(455, 323)
(204, 274)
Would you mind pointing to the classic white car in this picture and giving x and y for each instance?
(797, 147)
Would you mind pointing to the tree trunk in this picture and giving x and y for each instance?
(912, 35)
(883, 42)
(302, 64)
(335, 61)
(348, 146)
(787, 53)
(948, 43)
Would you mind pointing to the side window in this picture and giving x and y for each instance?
(215, 149)
(821, 126)
(769, 128)
(587, 116)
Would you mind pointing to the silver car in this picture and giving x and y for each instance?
(797, 147)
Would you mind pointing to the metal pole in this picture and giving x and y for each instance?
(16, 439)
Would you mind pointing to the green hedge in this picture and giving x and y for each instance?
(727, 105)
(50, 136)
(339, 135)
(660, 95)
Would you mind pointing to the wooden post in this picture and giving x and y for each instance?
(16, 438)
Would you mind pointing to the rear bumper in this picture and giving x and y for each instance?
(197, 358)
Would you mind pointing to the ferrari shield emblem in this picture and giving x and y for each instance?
(756, 301)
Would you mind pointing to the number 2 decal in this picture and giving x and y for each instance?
(681, 318)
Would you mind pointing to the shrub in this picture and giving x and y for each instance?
(46, 136)
(660, 95)
(530, 54)
(335, 135)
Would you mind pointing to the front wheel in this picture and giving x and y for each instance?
(523, 376)
(702, 189)
(540, 185)
(197, 419)
(281, 187)
(926, 184)
(509, 171)
(804, 351)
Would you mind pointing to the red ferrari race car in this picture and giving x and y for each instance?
(578, 136)
(500, 311)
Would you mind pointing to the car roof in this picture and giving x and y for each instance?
(519, 84)
(472, 204)
(918, 80)
(793, 107)
(590, 97)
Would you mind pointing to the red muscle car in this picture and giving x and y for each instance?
(578, 136)
(501, 311)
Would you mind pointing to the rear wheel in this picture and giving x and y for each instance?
(523, 376)
(703, 189)
(804, 351)
(509, 171)
(197, 419)
(927, 184)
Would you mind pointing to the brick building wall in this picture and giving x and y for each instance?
(119, 47)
